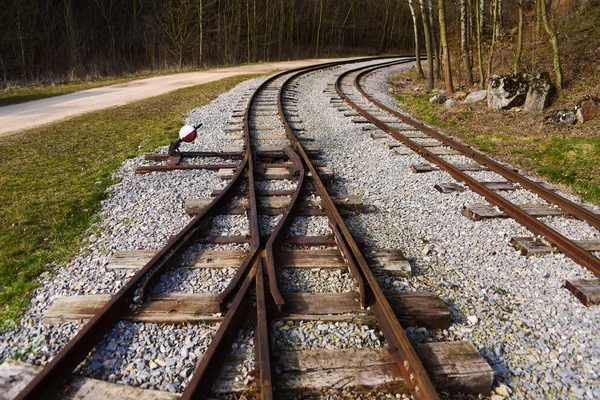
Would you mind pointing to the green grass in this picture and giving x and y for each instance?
(426, 110)
(570, 161)
(53, 179)
(558, 155)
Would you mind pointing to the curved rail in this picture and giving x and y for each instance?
(571, 249)
(137, 289)
(371, 294)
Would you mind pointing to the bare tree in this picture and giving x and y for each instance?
(416, 32)
(445, 51)
(427, 31)
(493, 45)
(519, 52)
(464, 42)
(551, 30)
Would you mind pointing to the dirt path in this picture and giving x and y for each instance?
(19, 117)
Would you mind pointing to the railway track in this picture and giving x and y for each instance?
(409, 135)
(275, 150)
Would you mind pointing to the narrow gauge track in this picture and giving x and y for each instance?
(349, 88)
(259, 266)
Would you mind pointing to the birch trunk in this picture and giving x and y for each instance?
(494, 21)
(427, 30)
(416, 31)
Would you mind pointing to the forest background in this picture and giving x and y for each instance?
(61, 40)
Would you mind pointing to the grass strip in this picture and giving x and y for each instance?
(53, 178)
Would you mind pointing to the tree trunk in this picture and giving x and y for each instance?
(519, 52)
(464, 43)
(427, 30)
(538, 19)
(319, 28)
(416, 31)
(200, 33)
(479, 18)
(384, 30)
(434, 41)
(554, 40)
(494, 21)
(499, 21)
(248, 32)
(445, 51)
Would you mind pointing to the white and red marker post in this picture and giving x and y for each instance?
(187, 133)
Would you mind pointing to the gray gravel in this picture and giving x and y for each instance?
(540, 341)
(141, 212)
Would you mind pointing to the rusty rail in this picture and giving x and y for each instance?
(372, 296)
(137, 289)
(567, 246)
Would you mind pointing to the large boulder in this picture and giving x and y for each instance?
(562, 117)
(507, 91)
(587, 109)
(474, 97)
(540, 93)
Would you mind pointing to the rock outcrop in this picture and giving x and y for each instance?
(507, 91)
(564, 117)
(474, 97)
(587, 109)
(540, 93)
(438, 98)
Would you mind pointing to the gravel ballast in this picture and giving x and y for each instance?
(540, 341)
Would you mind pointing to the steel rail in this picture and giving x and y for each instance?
(210, 365)
(567, 205)
(571, 249)
(115, 309)
(264, 383)
(401, 349)
(45, 382)
(276, 237)
(103, 321)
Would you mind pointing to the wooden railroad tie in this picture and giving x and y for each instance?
(275, 205)
(325, 173)
(421, 168)
(455, 187)
(485, 211)
(271, 151)
(454, 367)
(586, 290)
(280, 136)
(530, 246)
(308, 241)
(388, 261)
(411, 308)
